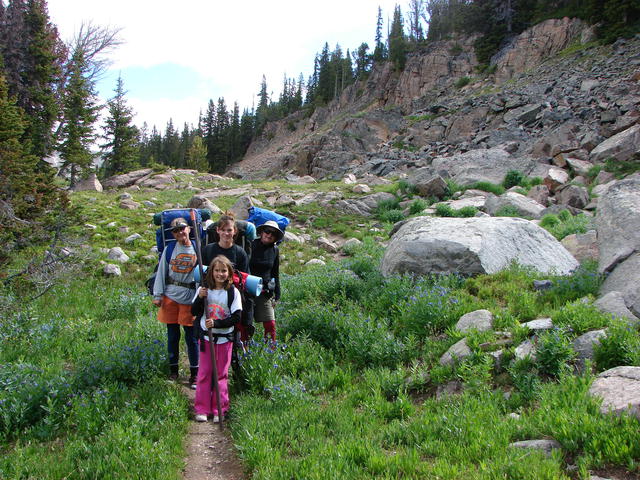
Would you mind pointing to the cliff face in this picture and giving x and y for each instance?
(393, 123)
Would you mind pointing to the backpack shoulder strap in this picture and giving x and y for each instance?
(231, 295)
(169, 249)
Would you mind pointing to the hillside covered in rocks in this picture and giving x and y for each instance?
(554, 97)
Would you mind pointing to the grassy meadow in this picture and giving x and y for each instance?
(353, 389)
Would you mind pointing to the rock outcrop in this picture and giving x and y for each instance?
(470, 246)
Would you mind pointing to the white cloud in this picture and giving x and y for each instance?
(230, 44)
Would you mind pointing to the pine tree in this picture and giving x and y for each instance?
(27, 189)
(416, 13)
(221, 157)
(208, 132)
(380, 50)
(397, 41)
(234, 149)
(169, 154)
(263, 106)
(33, 55)
(80, 112)
(196, 157)
(362, 61)
(247, 130)
(122, 150)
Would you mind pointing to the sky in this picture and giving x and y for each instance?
(176, 56)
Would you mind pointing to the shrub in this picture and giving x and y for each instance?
(513, 178)
(508, 211)
(129, 363)
(579, 317)
(622, 169)
(584, 281)
(554, 352)
(430, 310)
(462, 82)
(621, 346)
(391, 216)
(26, 394)
(488, 187)
(370, 343)
(406, 188)
(444, 210)
(262, 366)
(417, 206)
(467, 212)
(526, 381)
(565, 224)
(315, 320)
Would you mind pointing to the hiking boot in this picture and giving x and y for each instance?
(201, 417)
(216, 419)
(193, 377)
(173, 372)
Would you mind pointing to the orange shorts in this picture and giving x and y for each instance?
(174, 312)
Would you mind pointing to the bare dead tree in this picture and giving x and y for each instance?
(95, 42)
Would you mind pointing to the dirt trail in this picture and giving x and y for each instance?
(210, 452)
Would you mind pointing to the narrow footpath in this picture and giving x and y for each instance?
(210, 452)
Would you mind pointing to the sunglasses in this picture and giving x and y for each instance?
(179, 229)
(270, 231)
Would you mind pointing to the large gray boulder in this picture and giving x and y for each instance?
(618, 222)
(490, 165)
(626, 280)
(621, 147)
(525, 206)
(613, 303)
(619, 389)
(127, 179)
(472, 246)
(91, 183)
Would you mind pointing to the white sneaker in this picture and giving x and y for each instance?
(216, 419)
(201, 417)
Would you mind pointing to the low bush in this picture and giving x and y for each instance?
(584, 281)
(579, 317)
(565, 224)
(488, 187)
(417, 206)
(621, 346)
(554, 352)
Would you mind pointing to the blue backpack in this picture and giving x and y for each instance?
(258, 216)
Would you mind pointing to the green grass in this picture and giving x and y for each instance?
(347, 392)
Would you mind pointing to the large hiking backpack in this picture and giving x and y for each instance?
(164, 238)
(258, 216)
(164, 219)
(246, 294)
(246, 234)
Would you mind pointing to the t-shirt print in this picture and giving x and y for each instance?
(183, 263)
(215, 311)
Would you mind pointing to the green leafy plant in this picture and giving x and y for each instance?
(621, 346)
(554, 352)
(565, 224)
(462, 82)
(417, 206)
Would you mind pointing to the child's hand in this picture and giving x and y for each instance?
(202, 293)
(209, 322)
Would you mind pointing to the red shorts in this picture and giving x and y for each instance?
(174, 312)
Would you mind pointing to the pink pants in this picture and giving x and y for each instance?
(205, 402)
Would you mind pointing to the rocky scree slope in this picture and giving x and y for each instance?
(552, 91)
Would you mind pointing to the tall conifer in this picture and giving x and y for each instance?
(121, 151)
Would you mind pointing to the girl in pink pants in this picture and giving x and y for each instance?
(217, 305)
